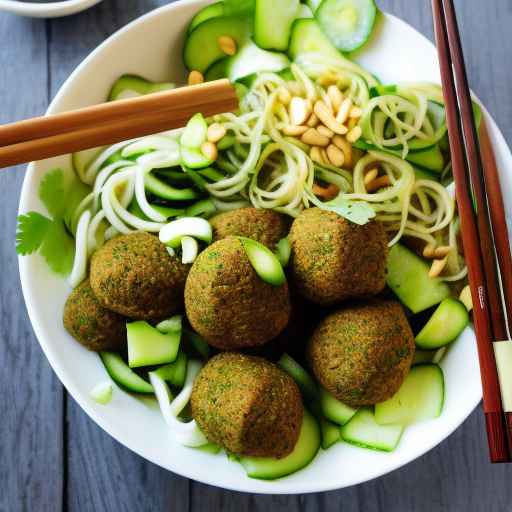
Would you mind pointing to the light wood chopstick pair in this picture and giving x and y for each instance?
(108, 123)
(484, 233)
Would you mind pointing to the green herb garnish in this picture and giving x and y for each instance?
(50, 236)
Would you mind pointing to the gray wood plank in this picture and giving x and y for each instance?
(31, 448)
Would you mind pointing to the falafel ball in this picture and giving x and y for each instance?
(135, 276)
(247, 405)
(362, 354)
(334, 259)
(264, 226)
(95, 327)
(228, 303)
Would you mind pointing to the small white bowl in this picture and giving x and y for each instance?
(152, 47)
(46, 9)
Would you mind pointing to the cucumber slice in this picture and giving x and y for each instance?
(122, 374)
(303, 379)
(148, 346)
(167, 212)
(307, 37)
(308, 444)
(362, 430)
(382, 90)
(173, 324)
(408, 278)
(204, 208)
(335, 410)
(189, 250)
(264, 262)
(172, 233)
(217, 70)
(347, 23)
(305, 12)
(175, 373)
(447, 322)
(193, 158)
(284, 251)
(102, 393)
(431, 159)
(273, 22)
(212, 174)
(330, 433)
(210, 11)
(250, 59)
(82, 160)
(420, 398)
(131, 86)
(211, 448)
(202, 48)
(195, 132)
(165, 191)
(423, 174)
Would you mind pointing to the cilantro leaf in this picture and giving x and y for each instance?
(52, 192)
(58, 248)
(31, 231)
(357, 212)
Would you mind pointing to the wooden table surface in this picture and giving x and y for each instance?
(54, 458)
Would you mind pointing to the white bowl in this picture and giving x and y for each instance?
(46, 9)
(151, 46)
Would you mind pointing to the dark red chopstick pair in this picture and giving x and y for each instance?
(484, 231)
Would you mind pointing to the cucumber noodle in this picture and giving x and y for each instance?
(267, 169)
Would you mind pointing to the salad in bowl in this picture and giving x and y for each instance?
(286, 280)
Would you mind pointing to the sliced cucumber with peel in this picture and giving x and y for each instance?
(82, 160)
(446, 324)
(174, 373)
(306, 448)
(330, 433)
(195, 132)
(347, 23)
(264, 262)
(123, 375)
(202, 45)
(273, 22)
(194, 158)
(284, 251)
(148, 346)
(251, 59)
(173, 324)
(308, 38)
(131, 86)
(408, 278)
(362, 430)
(306, 384)
(420, 398)
(334, 410)
(217, 70)
(172, 233)
(102, 393)
(163, 190)
(210, 11)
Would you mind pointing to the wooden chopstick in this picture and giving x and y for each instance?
(107, 133)
(470, 229)
(108, 123)
(494, 235)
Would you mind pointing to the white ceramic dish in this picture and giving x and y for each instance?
(151, 46)
(46, 9)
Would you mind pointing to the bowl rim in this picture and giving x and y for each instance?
(312, 486)
(48, 9)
